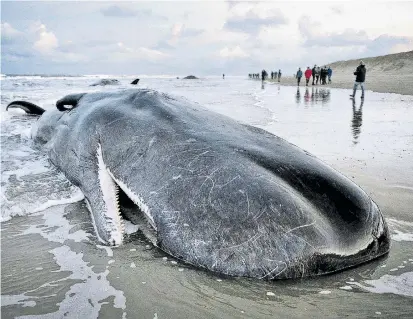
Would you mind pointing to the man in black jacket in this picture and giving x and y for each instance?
(313, 73)
(264, 75)
(360, 78)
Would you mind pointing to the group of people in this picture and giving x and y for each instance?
(254, 75)
(318, 74)
(264, 75)
(276, 75)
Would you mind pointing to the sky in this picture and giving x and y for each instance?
(196, 37)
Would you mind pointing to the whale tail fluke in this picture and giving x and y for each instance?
(28, 107)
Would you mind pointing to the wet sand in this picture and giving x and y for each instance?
(53, 266)
(383, 83)
(149, 284)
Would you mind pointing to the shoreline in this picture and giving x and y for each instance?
(399, 84)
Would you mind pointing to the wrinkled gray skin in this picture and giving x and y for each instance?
(231, 198)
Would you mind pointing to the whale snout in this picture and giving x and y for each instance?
(380, 233)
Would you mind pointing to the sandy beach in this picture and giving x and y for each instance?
(400, 84)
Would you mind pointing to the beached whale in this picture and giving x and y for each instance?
(103, 82)
(227, 197)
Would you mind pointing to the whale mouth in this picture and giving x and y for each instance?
(124, 211)
(134, 218)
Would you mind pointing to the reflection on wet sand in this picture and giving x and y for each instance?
(357, 121)
(323, 95)
(307, 97)
(317, 95)
(298, 96)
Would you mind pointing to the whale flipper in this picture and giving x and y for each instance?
(28, 107)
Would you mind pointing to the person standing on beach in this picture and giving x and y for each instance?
(329, 73)
(308, 74)
(279, 75)
(360, 78)
(323, 75)
(313, 72)
(263, 75)
(298, 76)
(223, 76)
(317, 74)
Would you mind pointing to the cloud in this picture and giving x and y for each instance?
(47, 41)
(232, 52)
(130, 11)
(337, 10)
(347, 37)
(187, 33)
(152, 54)
(314, 35)
(219, 37)
(252, 23)
(118, 11)
(250, 17)
(352, 43)
(180, 30)
(125, 53)
(385, 44)
(176, 29)
(15, 44)
(163, 45)
(38, 42)
(9, 34)
(233, 37)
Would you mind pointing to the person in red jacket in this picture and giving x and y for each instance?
(307, 75)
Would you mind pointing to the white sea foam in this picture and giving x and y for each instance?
(78, 196)
(78, 301)
(109, 250)
(400, 230)
(25, 301)
(56, 226)
(130, 228)
(399, 285)
(346, 288)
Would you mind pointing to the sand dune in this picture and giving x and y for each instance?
(394, 64)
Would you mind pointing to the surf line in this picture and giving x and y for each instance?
(77, 197)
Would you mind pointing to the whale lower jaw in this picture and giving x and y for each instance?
(114, 221)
